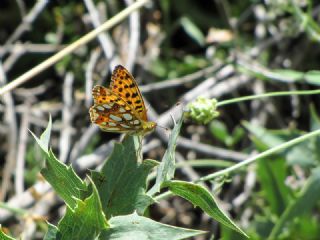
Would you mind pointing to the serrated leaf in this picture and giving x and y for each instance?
(306, 200)
(52, 233)
(63, 179)
(45, 137)
(135, 227)
(121, 182)
(4, 236)
(167, 166)
(201, 197)
(85, 221)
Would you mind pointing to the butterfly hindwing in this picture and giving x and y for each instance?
(125, 86)
(112, 113)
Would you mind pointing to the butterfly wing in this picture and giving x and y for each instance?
(111, 113)
(124, 85)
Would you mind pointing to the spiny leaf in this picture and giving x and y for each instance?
(63, 179)
(121, 182)
(86, 220)
(45, 137)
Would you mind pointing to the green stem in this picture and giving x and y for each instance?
(261, 155)
(265, 95)
(249, 160)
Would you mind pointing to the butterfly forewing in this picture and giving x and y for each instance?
(112, 113)
(125, 86)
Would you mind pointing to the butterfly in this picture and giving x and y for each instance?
(120, 108)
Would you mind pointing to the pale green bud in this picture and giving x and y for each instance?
(202, 110)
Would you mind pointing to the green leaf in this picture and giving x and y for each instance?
(237, 135)
(292, 75)
(305, 153)
(135, 227)
(263, 136)
(4, 236)
(229, 234)
(315, 124)
(167, 166)
(313, 77)
(61, 177)
(201, 197)
(314, 120)
(192, 30)
(219, 130)
(307, 199)
(272, 174)
(85, 221)
(121, 182)
(63, 180)
(52, 233)
(44, 138)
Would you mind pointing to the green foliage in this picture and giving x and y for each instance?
(302, 205)
(272, 174)
(201, 197)
(288, 211)
(192, 30)
(4, 236)
(219, 130)
(52, 233)
(108, 206)
(87, 213)
(61, 177)
(167, 166)
(139, 228)
(121, 182)
(283, 202)
(284, 75)
(305, 154)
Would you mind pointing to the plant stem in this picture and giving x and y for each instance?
(249, 160)
(265, 95)
(262, 155)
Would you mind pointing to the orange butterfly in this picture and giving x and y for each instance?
(120, 108)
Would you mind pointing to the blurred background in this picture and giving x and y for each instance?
(177, 51)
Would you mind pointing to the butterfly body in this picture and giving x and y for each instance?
(120, 108)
